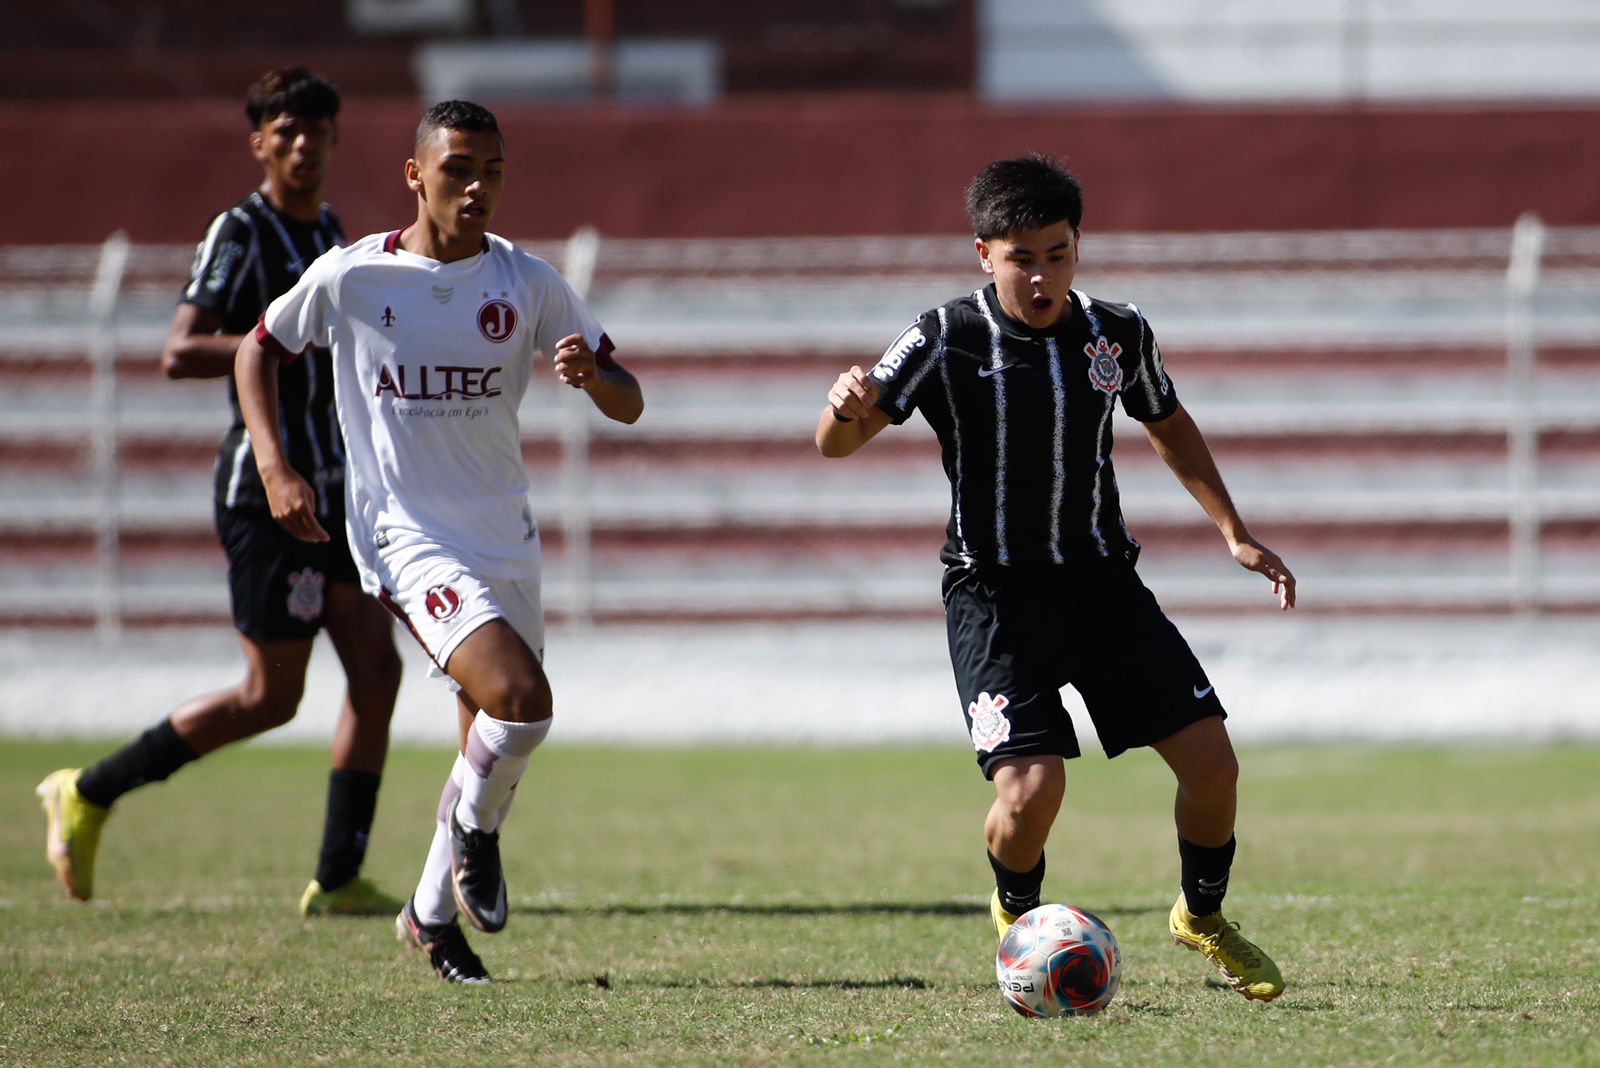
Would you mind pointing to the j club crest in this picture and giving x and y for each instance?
(1105, 373)
(442, 602)
(497, 320)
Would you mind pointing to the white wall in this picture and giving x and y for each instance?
(1303, 50)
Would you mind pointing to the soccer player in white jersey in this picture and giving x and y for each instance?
(434, 331)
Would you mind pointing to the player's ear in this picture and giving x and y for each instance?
(414, 177)
(983, 255)
(1077, 242)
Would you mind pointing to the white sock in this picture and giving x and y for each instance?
(497, 755)
(433, 901)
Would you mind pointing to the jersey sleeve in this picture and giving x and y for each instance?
(1149, 396)
(559, 312)
(303, 316)
(222, 262)
(906, 365)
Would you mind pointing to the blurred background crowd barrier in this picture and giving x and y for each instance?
(1367, 233)
(1409, 416)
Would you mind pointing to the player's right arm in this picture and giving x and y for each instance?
(255, 374)
(226, 265)
(194, 349)
(852, 417)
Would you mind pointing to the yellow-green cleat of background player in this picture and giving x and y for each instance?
(1002, 919)
(72, 831)
(358, 897)
(1247, 969)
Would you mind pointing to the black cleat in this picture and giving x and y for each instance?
(476, 878)
(445, 946)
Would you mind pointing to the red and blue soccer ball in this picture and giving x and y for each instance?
(1058, 961)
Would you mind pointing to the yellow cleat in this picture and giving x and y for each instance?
(72, 831)
(358, 897)
(1002, 919)
(1247, 969)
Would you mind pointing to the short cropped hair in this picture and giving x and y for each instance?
(290, 91)
(1027, 193)
(456, 115)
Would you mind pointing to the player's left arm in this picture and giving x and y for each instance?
(1181, 446)
(595, 371)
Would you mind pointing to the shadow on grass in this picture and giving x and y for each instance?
(798, 908)
(893, 982)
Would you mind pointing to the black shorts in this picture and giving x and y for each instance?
(278, 583)
(1017, 639)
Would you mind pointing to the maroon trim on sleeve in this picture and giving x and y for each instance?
(392, 242)
(272, 344)
(602, 354)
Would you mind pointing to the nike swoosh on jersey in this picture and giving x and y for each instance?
(1199, 693)
(990, 372)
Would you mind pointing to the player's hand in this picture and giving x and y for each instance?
(575, 363)
(854, 395)
(293, 504)
(1254, 556)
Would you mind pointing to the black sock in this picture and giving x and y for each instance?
(352, 800)
(1019, 890)
(1205, 875)
(151, 757)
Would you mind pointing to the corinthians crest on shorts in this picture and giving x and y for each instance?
(989, 726)
(305, 594)
(1105, 373)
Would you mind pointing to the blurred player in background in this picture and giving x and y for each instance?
(1018, 381)
(283, 590)
(434, 329)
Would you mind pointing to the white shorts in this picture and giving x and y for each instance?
(441, 601)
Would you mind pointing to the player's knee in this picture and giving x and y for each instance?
(379, 673)
(520, 701)
(267, 707)
(1217, 778)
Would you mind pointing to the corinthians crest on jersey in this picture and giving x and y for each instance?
(1105, 372)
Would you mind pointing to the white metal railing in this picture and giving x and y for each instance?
(1521, 288)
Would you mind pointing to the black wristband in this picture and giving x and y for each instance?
(840, 418)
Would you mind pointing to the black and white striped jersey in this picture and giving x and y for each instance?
(1023, 419)
(250, 254)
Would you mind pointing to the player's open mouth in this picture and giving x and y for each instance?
(1041, 302)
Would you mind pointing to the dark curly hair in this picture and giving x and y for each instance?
(1028, 193)
(290, 91)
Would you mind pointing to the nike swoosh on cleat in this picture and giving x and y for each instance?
(1199, 693)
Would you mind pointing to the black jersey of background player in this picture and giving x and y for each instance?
(1023, 418)
(251, 254)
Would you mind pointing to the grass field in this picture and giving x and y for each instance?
(760, 906)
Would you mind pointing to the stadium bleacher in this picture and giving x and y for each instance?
(1364, 392)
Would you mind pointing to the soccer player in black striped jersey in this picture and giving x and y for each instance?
(283, 590)
(1018, 381)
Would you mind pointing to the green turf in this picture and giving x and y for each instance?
(760, 906)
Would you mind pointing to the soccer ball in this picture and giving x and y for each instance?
(1057, 960)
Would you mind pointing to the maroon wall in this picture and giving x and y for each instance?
(829, 165)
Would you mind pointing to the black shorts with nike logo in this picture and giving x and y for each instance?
(1017, 636)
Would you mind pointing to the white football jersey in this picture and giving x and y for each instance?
(430, 364)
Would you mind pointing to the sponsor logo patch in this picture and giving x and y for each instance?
(989, 726)
(907, 343)
(305, 595)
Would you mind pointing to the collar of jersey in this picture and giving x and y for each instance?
(1018, 331)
